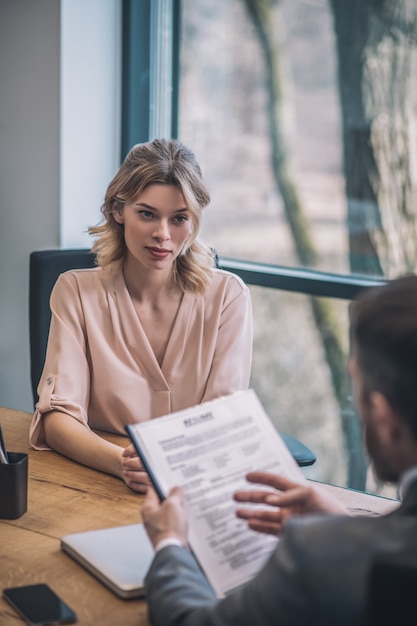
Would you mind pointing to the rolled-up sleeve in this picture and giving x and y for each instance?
(65, 382)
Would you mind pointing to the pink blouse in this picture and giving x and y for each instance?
(101, 369)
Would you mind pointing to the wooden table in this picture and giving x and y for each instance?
(65, 497)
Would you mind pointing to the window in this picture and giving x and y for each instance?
(260, 104)
(225, 94)
(302, 116)
(302, 113)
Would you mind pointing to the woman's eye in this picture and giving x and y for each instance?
(146, 214)
(180, 219)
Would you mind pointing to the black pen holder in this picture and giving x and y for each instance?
(14, 486)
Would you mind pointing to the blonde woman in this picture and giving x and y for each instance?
(154, 328)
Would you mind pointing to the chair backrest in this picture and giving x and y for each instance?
(44, 269)
(391, 593)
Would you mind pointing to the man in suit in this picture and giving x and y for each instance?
(319, 570)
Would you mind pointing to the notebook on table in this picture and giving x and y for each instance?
(119, 556)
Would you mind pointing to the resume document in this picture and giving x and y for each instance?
(208, 450)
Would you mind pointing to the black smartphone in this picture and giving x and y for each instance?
(39, 605)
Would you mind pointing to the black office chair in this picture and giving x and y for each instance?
(44, 269)
(391, 591)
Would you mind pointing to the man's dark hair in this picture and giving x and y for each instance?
(383, 328)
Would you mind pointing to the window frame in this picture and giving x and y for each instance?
(142, 46)
(141, 38)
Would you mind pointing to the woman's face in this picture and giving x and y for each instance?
(157, 225)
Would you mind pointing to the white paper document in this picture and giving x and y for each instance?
(208, 449)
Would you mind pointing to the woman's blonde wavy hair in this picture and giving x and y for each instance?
(157, 162)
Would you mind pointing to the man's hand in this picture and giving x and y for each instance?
(133, 472)
(165, 519)
(293, 499)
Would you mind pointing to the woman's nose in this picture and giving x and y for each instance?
(161, 231)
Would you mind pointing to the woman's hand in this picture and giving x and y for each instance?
(133, 472)
(292, 498)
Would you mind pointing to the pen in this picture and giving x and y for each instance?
(3, 453)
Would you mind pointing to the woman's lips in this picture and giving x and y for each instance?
(159, 253)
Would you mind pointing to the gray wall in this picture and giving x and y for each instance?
(29, 173)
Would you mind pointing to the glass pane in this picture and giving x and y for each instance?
(299, 174)
(305, 132)
(295, 382)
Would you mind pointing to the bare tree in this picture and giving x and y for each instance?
(376, 48)
(265, 16)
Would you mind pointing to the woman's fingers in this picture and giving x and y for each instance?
(138, 481)
(130, 450)
(132, 463)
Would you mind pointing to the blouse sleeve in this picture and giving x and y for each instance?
(231, 366)
(65, 382)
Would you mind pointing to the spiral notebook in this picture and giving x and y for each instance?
(119, 556)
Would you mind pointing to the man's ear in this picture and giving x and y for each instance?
(384, 417)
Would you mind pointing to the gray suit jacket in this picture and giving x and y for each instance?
(316, 576)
